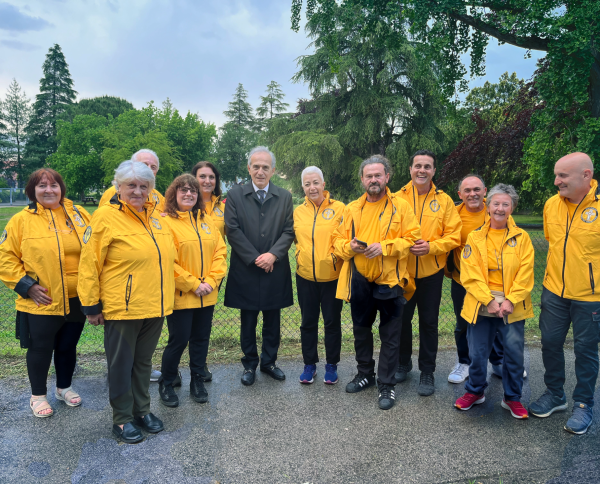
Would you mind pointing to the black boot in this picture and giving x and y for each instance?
(197, 390)
(168, 397)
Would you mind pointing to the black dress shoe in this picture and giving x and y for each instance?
(197, 390)
(273, 372)
(149, 423)
(248, 377)
(207, 375)
(129, 434)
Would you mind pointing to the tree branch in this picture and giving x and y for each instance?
(533, 42)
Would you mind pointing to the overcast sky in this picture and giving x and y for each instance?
(193, 51)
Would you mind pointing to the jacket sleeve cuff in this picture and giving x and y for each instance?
(512, 299)
(24, 285)
(92, 310)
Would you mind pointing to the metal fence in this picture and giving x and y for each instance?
(13, 196)
(226, 321)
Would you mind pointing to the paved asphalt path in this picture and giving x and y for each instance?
(284, 432)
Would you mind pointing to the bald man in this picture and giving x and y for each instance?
(570, 295)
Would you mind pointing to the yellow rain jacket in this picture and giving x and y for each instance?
(399, 230)
(32, 251)
(573, 264)
(202, 257)
(216, 209)
(127, 263)
(517, 272)
(440, 226)
(155, 197)
(314, 227)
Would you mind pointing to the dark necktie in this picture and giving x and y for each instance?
(261, 196)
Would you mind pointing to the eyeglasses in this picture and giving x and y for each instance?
(184, 190)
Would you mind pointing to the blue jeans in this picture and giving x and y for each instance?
(481, 340)
(555, 320)
(458, 293)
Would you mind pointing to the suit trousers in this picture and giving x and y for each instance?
(426, 299)
(270, 337)
(129, 346)
(191, 326)
(51, 334)
(314, 298)
(458, 293)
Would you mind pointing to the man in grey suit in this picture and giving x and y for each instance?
(260, 229)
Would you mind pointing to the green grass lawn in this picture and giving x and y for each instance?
(529, 219)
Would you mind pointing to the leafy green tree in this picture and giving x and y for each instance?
(78, 158)
(272, 104)
(369, 95)
(15, 110)
(236, 137)
(102, 106)
(56, 94)
(568, 81)
(190, 136)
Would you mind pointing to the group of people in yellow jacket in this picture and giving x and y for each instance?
(144, 257)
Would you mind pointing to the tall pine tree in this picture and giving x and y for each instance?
(272, 104)
(56, 95)
(236, 137)
(16, 111)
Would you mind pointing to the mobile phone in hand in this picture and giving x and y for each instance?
(364, 245)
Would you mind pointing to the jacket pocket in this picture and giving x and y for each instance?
(592, 282)
(128, 291)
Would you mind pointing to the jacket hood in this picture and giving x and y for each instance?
(410, 187)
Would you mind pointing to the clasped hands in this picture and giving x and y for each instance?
(266, 261)
(204, 289)
(500, 310)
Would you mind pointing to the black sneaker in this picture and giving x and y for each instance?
(197, 390)
(168, 397)
(387, 397)
(360, 382)
(402, 372)
(207, 374)
(426, 384)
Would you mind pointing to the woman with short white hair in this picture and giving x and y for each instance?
(317, 272)
(497, 272)
(127, 284)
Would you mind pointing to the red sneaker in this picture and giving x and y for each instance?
(516, 409)
(468, 400)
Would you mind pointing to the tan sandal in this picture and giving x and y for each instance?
(68, 399)
(39, 404)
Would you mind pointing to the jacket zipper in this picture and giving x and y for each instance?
(316, 209)
(61, 267)
(162, 297)
(436, 262)
(128, 291)
(333, 259)
(592, 284)
(201, 254)
(420, 220)
(567, 231)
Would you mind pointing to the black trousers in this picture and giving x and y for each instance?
(364, 307)
(129, 346)
(426, 299)
(270, 337)
(458, 293)
(187, 325)
(314, 298)
(51, 334)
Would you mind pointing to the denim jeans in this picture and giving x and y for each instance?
(458, 293)
(481, 340)
(555, 320)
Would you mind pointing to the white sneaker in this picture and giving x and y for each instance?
(459, 374)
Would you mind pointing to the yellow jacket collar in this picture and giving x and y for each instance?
(36, 207)
(409, 186)
(116, 202)
(326, 200)
(513, 229)
(363, 199)
(593, 193)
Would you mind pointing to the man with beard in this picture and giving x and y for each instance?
(374, 239)
(440, 229)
